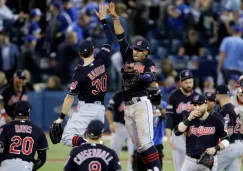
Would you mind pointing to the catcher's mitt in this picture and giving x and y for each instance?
(56, 132)
(206, 160)
(130, 76)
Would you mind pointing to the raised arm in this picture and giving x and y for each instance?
(121, 37)
(102, 16)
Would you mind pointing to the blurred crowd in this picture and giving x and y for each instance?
(42, 36)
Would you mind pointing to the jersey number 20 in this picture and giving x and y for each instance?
(100, 85)
(26, 145)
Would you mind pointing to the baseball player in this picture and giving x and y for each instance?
(179, 105)
(89, 82)
(117, 126)
(202, 134)
(211, 102)
(10, 94)
(137, 74)
(158, 124)
(237, 101)
(92, 156)
(20, 140)
(228, 159)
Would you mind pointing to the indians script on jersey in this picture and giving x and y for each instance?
(91, 153)
(96, 72)
(201, 130)
(184, 107)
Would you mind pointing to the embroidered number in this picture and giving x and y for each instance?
(94, 166)
(26, 148)
(100, 85)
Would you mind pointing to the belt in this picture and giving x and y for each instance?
(195, 157)
(133, 101)
(93, 102)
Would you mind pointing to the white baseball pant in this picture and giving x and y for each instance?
(16, 164)
(78, 121)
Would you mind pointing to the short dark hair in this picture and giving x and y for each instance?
(86, 54)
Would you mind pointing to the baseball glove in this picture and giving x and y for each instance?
(130, 76)
(206, 160)
(155, 96)
(56, 132)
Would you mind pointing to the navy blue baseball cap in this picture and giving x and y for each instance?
(35, 12)
(185, 74)
(199, 99)
(237, 28)
(210, 96)
(22, 108)
(141, 44)
(95, 128)
(222, 89)
(20, 74)
(86, 46)
(57, 4)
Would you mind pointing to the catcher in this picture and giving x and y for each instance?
(203, 132)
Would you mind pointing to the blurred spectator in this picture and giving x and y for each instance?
(7, 17)
(140, 22)
(207, 25)
(208, 85)
(192, 46)
(233, 84)
(3, 80)
(81, 26)
(29, 59)
(167, 70)
(70, 10)
(176, 16)
(34, 28)
(226, 21)
(28, 85)
(9, 54)
(66, 55)
(231, 52)
(54, 84)
(57, 27)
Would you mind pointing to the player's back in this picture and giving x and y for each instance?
(93, 157)
(90, 82)
(21, 140)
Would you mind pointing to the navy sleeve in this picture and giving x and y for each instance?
(124, 47)
(169, 114)
(220, 130)
(73, 89)
(43, 144)
(150, 69)
(69, 166)
(112, 102)
(228, 119)
(115, 163)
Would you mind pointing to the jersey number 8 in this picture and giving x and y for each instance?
(100, 85)
(94, 166)
(26, 145)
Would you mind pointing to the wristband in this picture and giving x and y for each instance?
(103, 22)
(217, 148)
(62, 116)
(120, 36)
(186, 122)
(117, 18)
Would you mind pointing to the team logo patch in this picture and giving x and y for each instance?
(139, 43)
(187, 73)
(153, 69)
(196, 97)
(209, 94)
(201, 131)
(184, 107)
(1, 130)
(73, 85)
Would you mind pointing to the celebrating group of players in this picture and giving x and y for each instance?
(201, 139)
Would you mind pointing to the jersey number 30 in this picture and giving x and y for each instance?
(26, 145)
(100, 85)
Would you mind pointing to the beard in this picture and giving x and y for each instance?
(187, 89)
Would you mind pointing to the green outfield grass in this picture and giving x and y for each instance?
(57, 155)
